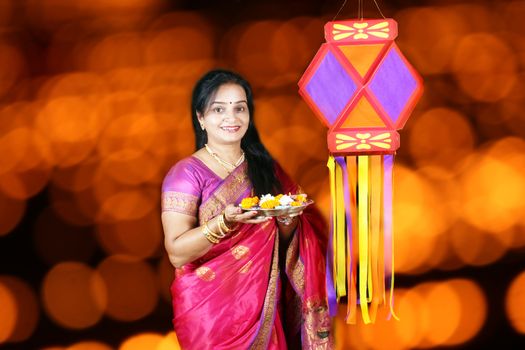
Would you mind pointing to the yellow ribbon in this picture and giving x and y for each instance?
(376, 235)
(340, 233)
(351, 314)
(363, 212)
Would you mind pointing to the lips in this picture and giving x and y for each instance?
(230, 128)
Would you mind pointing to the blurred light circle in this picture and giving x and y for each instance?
(76, 178)
(88, 86)
(474, 246)
(142, 341)
(89, 345)
(28, 312)
(14, 146)
(493, 190)
(383, 334)
(117, 51)
(9, 313)
(181, 43)
(252, 48)
(410, 307)
(131, 167)
(515, 303)
(74, 296)
(440, 136)
(428, 36)
(12, 66)
(23, 185)
(140, 238)
(169, 342)
(132, 132)
(74, 208)
(474, 308)
(419, 218)
(128, 205)
(485, 67)
(12, 211)
(132, 288)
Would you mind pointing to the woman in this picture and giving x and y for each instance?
(241, 282)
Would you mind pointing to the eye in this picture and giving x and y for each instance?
(218, 109)
(240, 109)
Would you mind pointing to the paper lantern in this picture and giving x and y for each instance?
(363, 89)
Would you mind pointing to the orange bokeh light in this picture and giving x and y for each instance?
(485, 67)
(89, 345)
(169, 342)
(428, 35)
(28, 312)
(440, 136)
(12, 212)
(493, 188)
(128, 205)
(420, 216)
(9, 312)
(141, 238)
(515, 303)
(132, 287)
(142, 341)
(474, 308)
(74, 295)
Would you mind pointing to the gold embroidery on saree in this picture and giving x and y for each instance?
(316, 319)
(269, 308)
(246, 267)
(294, 266)
(180, 202)
(316, 327)
(228, 192)
(240, 251)
(205, 273)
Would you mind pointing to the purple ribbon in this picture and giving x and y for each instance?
(388, 164)
(342, 163)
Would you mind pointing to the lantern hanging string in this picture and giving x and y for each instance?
(360, 10)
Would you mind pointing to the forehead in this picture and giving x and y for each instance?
(229, 93)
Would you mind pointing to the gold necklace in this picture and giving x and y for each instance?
(226, 165)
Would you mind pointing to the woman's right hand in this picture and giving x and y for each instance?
(234, 215)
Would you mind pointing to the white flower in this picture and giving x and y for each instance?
(285, 200)
(265, 197)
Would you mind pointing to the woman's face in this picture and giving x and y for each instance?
(226, 117)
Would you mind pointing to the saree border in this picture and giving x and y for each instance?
(270, 302)
(232, 187)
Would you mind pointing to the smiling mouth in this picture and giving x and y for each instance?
(230, 128)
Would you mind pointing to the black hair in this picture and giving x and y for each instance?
(261, 171)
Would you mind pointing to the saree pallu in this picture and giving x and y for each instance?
(231, 297)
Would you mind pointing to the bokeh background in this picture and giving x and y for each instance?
(94, 109)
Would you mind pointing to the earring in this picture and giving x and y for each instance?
(202, 126)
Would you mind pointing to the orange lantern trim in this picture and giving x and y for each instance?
(363, 89)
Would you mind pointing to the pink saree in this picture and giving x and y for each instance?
(235, 296)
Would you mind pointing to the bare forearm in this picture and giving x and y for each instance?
(191, 245)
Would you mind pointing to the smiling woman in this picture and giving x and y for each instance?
(230, 289)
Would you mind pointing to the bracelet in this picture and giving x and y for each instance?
(208, 234)
(286, 220)
(217, 236)
(222, 224)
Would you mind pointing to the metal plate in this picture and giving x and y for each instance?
(289, 211)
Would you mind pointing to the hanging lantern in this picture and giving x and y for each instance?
(363, 89)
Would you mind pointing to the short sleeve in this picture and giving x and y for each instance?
(181, 189)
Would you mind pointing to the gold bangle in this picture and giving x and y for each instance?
(222, 224)
(207, 233)
(213, 233)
